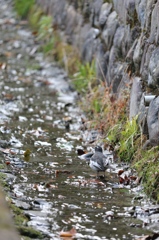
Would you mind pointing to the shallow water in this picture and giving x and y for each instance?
(56, 189)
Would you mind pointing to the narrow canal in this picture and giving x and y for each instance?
(56, 189)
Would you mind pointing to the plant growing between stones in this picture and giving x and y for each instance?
(23, 7)
(34, 17)
(147, 165)
(84, 77)
(128, 137)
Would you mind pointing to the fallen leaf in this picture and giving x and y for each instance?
(27, 155)
(61, 171)
(3, 65)
(8, 54)
(7, 163)
(70, 233)
(7, 150)
(148, 237)
(133, 178)
(120, 172)
(121, 180)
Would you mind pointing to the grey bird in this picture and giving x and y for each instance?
(98, 162)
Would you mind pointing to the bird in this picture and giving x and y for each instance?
(98, 162)
(86, 156)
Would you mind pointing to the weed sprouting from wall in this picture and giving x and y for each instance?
(147, 165)
(127, 136)
(84, 77)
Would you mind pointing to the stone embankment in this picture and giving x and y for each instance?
(7, 228)
(123, 37)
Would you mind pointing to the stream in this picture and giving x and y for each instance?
(56, 189)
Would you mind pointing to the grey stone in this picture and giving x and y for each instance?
(73, 24)
(126, 10)
(56, 9)
(102, 60)
(148, 20)
(129, 56)
(138, 51)
(154, 31)
(120, 8)
(153, 122)
(115, 70)
(147, 52)
(122, 40)
(90, 45)
(96, 7)
(135, 97)
(123, 86)
(110, 29)
(141, 11)
(104, 13)
(21, 204)
(82, 36)
(142, 116)
(153, 77)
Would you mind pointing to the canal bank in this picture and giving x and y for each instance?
(7, 227)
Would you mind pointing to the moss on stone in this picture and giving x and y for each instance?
(30, 232)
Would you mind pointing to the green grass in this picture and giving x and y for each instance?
(23, 7)
(146, 162)
(84, 77)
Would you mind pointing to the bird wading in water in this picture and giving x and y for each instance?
(98, 162)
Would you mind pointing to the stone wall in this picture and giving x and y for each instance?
(123, 37)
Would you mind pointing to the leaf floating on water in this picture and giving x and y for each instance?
(8, 54)
(148, 237)
(61, 171)
(3, 65)
(7, 150)
(7, 162)
(120, 172)
(50, 185)
(27, 155)
(133, 178)
(70, 233)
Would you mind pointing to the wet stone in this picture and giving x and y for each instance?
(21, 204)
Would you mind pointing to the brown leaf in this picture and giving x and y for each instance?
(120, 172)
(70, 233)
(148, 237)
(121, 180)
(133, 178)
(127, 180)
(7, 150)
(7, 163)
(3, 65)
(8, 54)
